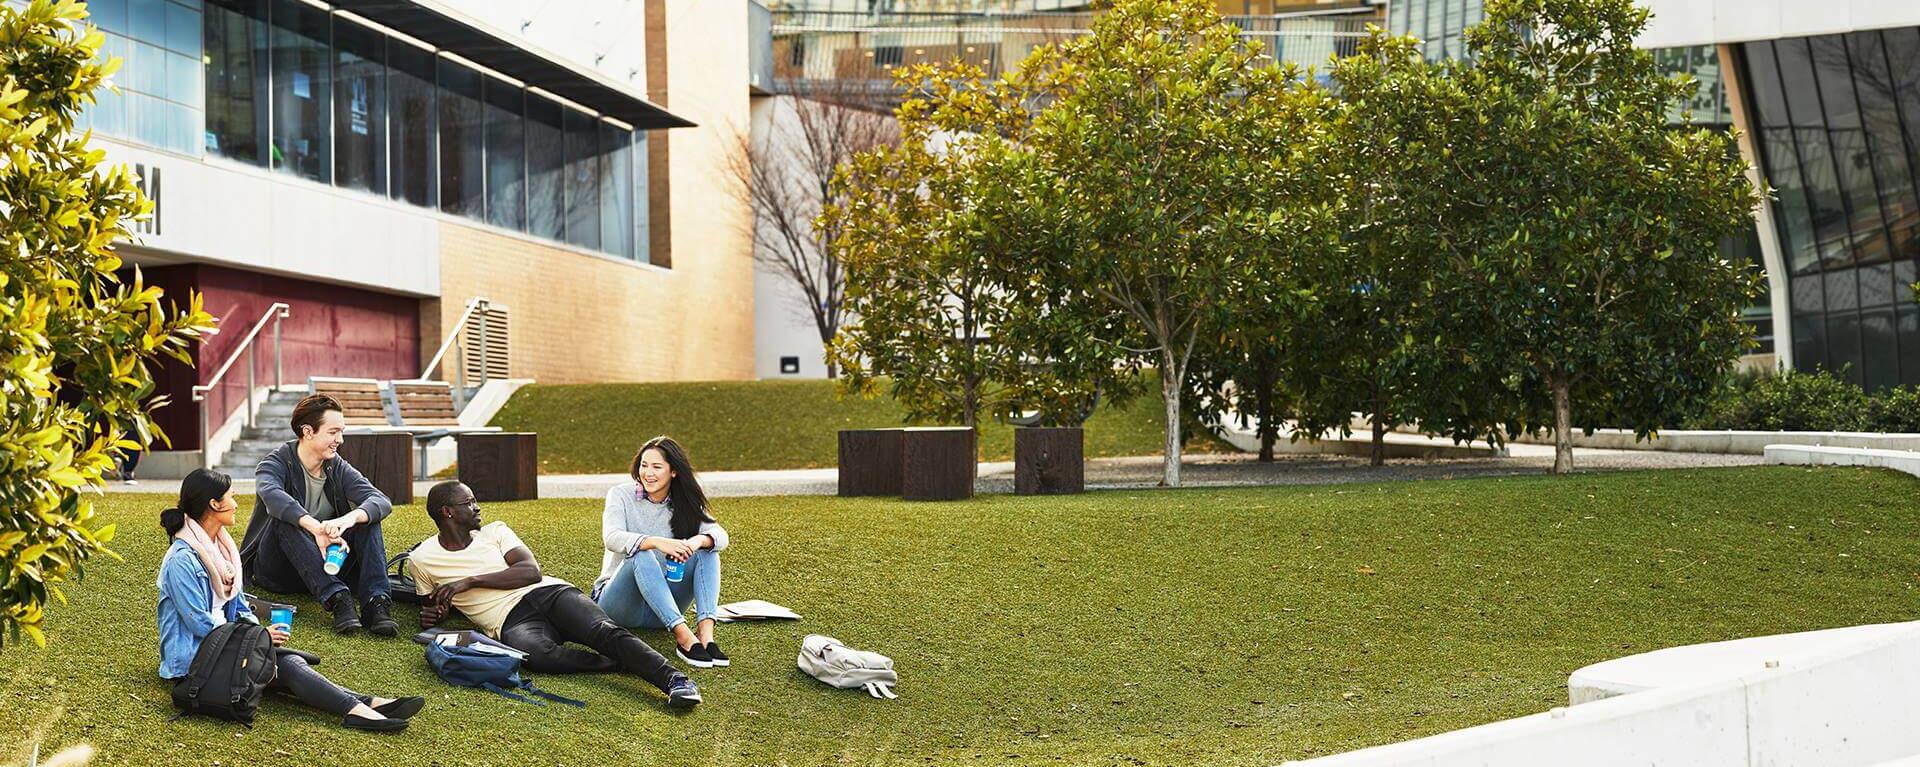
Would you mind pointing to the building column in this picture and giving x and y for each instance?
(1771, 253)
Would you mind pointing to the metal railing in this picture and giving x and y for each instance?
(456, 343)
(274, 314)
(859, 50)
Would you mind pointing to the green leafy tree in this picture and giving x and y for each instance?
(1384, 159)
(929, 311)
(1588, 270)
(1160, 160)
(75, 341)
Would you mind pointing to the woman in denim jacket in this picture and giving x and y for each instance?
(199, 583)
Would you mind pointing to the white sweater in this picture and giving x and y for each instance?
(630, 517)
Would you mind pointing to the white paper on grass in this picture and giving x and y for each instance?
(753, 610)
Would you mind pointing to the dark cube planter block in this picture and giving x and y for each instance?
(870, 462)
(500, 466)
(1049, 460)
(937, 463)
(385, 459)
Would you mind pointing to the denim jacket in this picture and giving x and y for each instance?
(186, 612)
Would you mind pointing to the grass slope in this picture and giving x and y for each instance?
(1232, 627)
(733, 425)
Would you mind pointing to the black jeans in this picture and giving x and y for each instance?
(288, 562)
(306, 685)
(547, 618)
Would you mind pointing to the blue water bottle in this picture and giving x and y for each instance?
(336, 556)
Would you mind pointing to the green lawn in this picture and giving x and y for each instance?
(731, 425)
(1233, 627)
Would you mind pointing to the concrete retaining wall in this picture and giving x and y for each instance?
(1814, 455)
(1847, 705)
(1740, 442)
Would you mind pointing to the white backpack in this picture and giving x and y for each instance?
(828, 660)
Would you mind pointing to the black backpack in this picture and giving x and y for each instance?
(400, 578)
(229, 675)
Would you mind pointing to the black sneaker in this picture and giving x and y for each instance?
(377, 619)
(695, 656)
(345, 617)
(681, 693)
(714, 654)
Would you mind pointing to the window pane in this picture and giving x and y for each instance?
(146, 70)
(236, 39)
(1826, 207)
(616, 191)
(183, 29)
(546, 169)
(1907, 327)
(302, 90)
(1843, 348)
(108, 15)
(1769, 104)
(1809, 343)
(1876, 284)
(1843, 290)
(1797, 80)
(1808, 294)
(642, 231)
(461, 185)
(360, 114)
(583, 179)
(147, 20)
(412, 119)
(1880, 114)
(1880, 350)
(1849, 141)
(183, 79)
(506, 156)
(1903, 56)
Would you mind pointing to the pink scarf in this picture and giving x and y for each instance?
(220, 558)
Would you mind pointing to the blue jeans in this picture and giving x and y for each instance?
(639, 595)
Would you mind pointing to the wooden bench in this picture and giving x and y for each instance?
(385, 458)
(360, 399)
(870, 462)
(424, 403)
(500, 466)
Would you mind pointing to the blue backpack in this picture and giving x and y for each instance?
(466, 666)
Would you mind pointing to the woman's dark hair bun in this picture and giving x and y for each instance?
(172, 520)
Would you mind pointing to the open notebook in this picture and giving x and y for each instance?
(754, 610)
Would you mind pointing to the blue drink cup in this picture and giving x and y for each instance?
(281, 617)
(675, 570)
(336, 556)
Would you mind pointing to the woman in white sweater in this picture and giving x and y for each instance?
(663, 551)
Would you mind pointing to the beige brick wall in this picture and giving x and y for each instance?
(579, 318)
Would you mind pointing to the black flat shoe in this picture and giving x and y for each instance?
(402, 708)
(357, 722)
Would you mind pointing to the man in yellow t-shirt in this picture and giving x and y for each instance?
(488, 574)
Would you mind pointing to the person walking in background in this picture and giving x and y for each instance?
(663, 552)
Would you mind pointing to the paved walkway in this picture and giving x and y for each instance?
(1203, 470)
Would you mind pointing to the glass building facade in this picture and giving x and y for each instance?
(158, 43)
(1438, 23)
(1837, 121)
(293, 87)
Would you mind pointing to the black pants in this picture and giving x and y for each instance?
(306, 685)
(547, 618)
(287, 562)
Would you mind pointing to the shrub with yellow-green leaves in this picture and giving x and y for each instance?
(76, 342)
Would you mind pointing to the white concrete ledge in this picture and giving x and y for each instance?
(1841, 705)
(1739, 442)
(1821, 455)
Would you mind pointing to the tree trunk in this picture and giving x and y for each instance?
(1562, 425)
(1263, 410)
(1379, 439)
(1170, 378)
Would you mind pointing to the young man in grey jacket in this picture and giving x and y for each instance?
(307, 499)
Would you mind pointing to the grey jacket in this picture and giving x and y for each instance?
(280, 487)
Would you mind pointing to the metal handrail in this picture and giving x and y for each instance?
(475, 305)
(275, 313)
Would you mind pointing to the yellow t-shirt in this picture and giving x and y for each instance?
(433, 565)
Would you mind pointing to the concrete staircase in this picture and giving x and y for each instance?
(268, 432)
